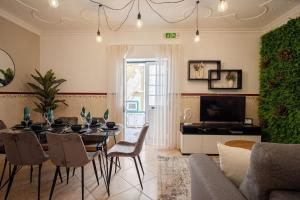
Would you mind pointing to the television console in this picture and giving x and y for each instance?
(203, 137)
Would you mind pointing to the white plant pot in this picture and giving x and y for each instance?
(230, 83)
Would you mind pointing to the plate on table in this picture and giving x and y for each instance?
(58, 125)
(110, 129)
(19, 126)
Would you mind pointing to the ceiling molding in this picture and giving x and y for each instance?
(34, 13)
(262, 5)
(26, 5)
(293, 13)
(19, 22)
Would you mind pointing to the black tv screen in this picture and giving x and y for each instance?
(222, 108)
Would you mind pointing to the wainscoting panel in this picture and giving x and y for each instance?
(11, 106)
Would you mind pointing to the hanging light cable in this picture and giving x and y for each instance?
(99, 37)
(139, 22)
(197, 36)
(129, 5)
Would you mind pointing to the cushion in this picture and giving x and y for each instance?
(272, 167)
(282, 194)
(234, 162)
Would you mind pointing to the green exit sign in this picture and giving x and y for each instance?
(171, 35)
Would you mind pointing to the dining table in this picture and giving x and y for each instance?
(95, 138)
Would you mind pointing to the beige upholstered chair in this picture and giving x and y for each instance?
(2, 151)
(127, 149)
(23, 149)
(68, 150)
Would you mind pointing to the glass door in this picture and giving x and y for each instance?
(141, 87)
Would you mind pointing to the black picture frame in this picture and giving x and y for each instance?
(218, 73)
(203, 75)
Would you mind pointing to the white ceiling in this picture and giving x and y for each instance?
(82, 14)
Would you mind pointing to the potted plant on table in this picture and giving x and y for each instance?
(230, 77)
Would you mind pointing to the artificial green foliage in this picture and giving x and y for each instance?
(279, 107)
(46, 89)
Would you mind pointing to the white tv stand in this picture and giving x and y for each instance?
(199, 138)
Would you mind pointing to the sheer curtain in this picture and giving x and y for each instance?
(115, 75)
(164, 119)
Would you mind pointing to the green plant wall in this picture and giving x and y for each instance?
(279, 108)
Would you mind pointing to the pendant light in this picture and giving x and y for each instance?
(222, 6)
(197, 36)
(99, 37)
(139, 22)
(53, 3)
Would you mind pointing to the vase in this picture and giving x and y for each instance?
(230, 83)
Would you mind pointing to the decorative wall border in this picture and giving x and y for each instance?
(104, 94)
(60, 93)
(218, 94)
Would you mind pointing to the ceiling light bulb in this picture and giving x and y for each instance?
(222, 6)
(53, 3)
(98, 37)
(197, 37)
(139, 22)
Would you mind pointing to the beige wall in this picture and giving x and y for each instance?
(82, 61)
(24, 48)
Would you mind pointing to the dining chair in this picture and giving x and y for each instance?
(2, 151)
(23, 149)
(68, 150)
(128, 149)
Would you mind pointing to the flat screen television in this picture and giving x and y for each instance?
(222, 108)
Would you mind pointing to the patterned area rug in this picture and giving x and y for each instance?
(174, 179)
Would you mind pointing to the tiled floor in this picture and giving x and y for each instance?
(124, 184)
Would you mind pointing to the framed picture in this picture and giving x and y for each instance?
(248, 121)
(198, 69)
(132, 106)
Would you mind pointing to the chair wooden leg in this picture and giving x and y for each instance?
(141, 164)
(54, 182)
(106, 158)
(82, 182)
(31, 170)
(74, 171)
(11, 179)
(68, 172)
(109, 176)
(59, 173)
(100, 164)
(39, 181)
(116, 164)
(101, 170)
(119, 163)
(95, 170)
(137, 170)
(3, 171)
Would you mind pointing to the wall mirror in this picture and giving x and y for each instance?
(7, 68)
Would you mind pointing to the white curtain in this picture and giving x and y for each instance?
(115, 77)
(164, 119)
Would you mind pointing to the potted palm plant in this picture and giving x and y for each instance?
(46, 89)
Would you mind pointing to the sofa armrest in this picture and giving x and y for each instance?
(209, 182)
